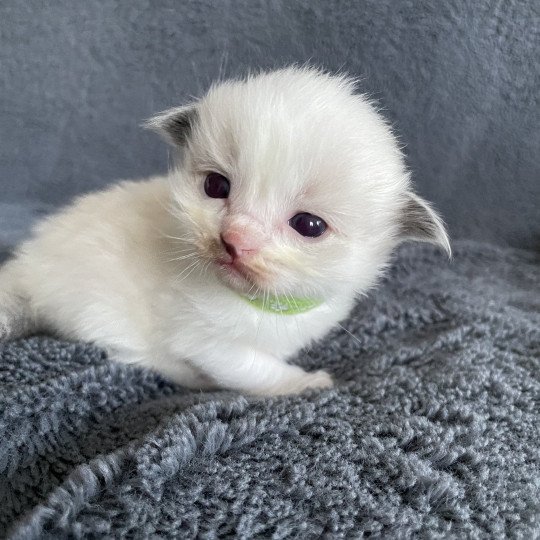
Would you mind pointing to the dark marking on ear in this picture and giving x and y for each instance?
(420, 222)
(174, 125)
(179, 127)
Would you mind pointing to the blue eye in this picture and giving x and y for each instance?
(308, 224)
(217, 186)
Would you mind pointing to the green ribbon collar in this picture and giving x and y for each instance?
(283, 305)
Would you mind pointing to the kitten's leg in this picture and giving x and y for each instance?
(180, 372)
(16, 318)
(259, 373)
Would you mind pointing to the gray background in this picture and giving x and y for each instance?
(458, 79)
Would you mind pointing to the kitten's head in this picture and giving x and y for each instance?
(292, 184)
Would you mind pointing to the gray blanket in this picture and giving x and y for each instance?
(432, 429)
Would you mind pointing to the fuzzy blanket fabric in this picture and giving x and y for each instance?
(432, 430)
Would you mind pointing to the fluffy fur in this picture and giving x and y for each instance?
(140, 260)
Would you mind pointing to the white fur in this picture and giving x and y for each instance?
(132, 268)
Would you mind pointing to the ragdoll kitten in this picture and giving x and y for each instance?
(289, 196)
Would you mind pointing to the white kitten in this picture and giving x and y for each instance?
(289, 196)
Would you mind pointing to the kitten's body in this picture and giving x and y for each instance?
(134, 268)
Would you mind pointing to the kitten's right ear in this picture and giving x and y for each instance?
(420, 222)
(174, 125)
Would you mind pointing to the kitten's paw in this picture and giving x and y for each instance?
(317, 379)
(305, 381)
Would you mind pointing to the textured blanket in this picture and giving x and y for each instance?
(432, 430)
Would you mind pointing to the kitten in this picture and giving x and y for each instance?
(290, 194)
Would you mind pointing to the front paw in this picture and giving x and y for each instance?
(305, 381)
(316, 379)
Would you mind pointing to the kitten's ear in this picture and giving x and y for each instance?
(174, 125)
(420, 222)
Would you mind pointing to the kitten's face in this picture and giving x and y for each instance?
(289, 185)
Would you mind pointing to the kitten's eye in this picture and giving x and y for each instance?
(308, 224)
(217, 186)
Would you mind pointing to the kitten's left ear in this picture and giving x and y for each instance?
(420, 222)
(174, 125)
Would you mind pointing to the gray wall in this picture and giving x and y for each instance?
(459, 79)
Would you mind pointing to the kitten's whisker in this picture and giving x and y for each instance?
(185, 214)
(185, 254)
(191, 272)
(182, 275)
(186, 269)
(205, 267)
(251, 288)
(277, 324)
(193, 269)
(182, 238)
(350, 334)
(184, 246)
(295, 319)
(183, 257)
(191, 249)
(178, 259)
(168, 207)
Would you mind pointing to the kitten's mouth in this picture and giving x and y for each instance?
(238, 275)
(234, 268)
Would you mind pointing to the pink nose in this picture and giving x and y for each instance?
(239, 243)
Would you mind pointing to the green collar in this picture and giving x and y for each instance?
(282, 305)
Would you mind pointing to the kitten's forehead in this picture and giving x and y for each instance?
(282, 121)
